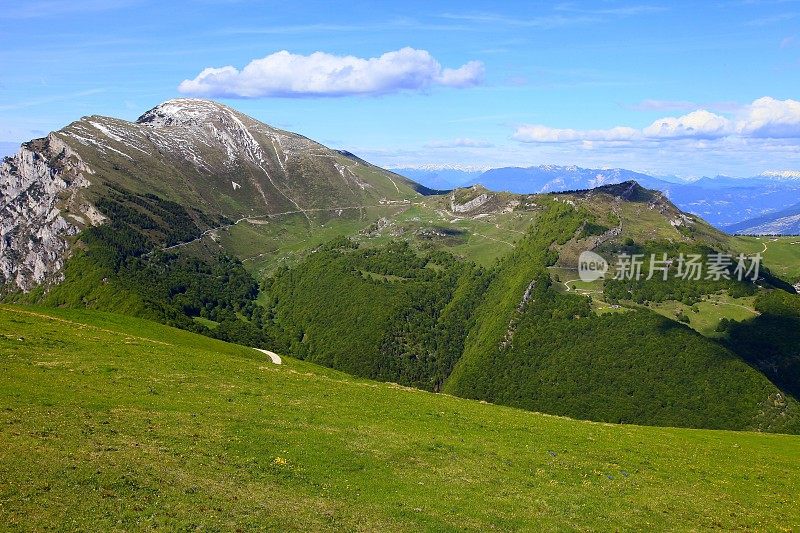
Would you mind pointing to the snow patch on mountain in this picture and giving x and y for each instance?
(782, 174)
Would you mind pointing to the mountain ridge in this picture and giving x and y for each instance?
(721, 200)
(363, 273)
(194, 152)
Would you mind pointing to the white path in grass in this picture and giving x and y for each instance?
(272, 355)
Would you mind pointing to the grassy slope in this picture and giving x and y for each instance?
(286, 239)
(782, 255)
(502, 297)
(116, 423)
(709, 312)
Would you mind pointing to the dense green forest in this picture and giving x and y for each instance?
(387, 313)
(771, 341)
(683, 289)
(636, 367)
(505, 335)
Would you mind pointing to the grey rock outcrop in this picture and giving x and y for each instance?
(39, 186)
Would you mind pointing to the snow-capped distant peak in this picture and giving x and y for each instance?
(782, 174)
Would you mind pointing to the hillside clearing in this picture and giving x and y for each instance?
(781, 254)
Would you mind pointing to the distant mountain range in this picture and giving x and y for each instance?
(723, 201)
(784, 222)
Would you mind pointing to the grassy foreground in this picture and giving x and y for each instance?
(113, 423)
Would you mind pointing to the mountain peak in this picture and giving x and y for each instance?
(629, 190)
(183, 111)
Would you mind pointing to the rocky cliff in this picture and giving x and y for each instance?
(41, 208)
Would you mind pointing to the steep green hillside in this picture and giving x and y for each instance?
(113, 423)
(131, 265)
(537, 348)
(384, 313)
(771, 341)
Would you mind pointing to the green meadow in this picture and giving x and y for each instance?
(114, 423)
(780, 254)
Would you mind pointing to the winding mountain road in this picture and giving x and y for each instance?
(268, 216)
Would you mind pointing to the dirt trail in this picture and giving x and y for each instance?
(272, 355)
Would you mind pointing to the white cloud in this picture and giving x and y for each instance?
(764, 118)
(699, 124)
(771, 118)
(321, 74)
(468, 75)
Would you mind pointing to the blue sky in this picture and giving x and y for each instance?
(694, 88)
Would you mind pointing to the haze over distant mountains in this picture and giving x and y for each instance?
(743, 205)
(783, 222)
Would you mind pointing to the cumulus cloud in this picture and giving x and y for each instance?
(321, 74)
(764, 118)
(699, 124)
(771, 118)
(468, 75)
